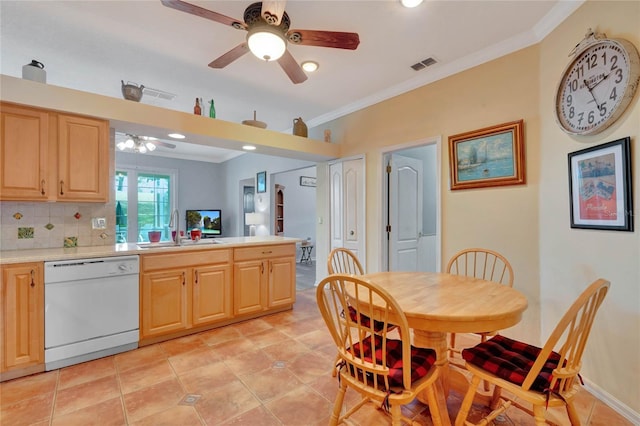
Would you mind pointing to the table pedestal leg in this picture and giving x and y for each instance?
(438, 342)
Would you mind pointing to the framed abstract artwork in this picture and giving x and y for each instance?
(600, 190)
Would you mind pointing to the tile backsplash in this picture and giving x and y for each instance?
(29, 225)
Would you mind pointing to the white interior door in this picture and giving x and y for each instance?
(347, 207)
(405, 212)
(335, 182)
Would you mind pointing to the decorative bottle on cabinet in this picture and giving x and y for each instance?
(279, 197)
(212, 110)
(196, 109)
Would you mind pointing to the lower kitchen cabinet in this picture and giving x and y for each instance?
(183, 291)
(264, 278)
(22, 320)
(211, 294)
(164, 302)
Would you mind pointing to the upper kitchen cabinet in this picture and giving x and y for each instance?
(24, 153)
(49, 156)
(83, 159)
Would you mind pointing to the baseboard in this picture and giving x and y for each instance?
(612, 402)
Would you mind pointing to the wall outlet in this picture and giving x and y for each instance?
(99, 223)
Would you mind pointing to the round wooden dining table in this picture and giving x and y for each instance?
(438, 303)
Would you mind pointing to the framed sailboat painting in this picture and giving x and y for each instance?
(493, 156)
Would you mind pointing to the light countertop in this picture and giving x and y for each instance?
(52, 254)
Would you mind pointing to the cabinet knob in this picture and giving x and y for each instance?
(42, 187)
(61, 187)
(351, 232)
(33, 273)
(196, 276)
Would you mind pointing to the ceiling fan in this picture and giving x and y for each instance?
(141, 144)
(267, 25)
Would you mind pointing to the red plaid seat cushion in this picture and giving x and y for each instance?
(422, 359)
(511, 360)
(378, 326)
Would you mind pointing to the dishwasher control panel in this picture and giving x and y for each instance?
(82, 269)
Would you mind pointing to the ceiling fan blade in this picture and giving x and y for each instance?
(291, 67)
(337, 39)
(204, 13)
(272, 11)
(164, 144)
(230, 56)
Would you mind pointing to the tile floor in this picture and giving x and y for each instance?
(269, 371)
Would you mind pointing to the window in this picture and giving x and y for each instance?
(144, 202)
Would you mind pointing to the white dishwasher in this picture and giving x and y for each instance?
(91, 309)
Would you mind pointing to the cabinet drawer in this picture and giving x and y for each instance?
(151, 262)
(263, 252)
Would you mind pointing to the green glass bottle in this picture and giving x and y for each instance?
(212, 110)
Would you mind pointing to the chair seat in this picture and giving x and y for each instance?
(511, 360)
(378, 326)
(422, 359)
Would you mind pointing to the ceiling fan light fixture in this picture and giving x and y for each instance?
(266, 43)
(310, 66)
(410, 3)
(121, 146)
(150, 146)
(129, 143)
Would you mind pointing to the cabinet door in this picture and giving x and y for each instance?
(24, 152)
(164, 302)
(249, 280)
(282, 281)
(83, 159)
(211, 294)
(22, 312)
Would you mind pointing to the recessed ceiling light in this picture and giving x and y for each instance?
(176, 135)
(410, 3)
(249, 148)
(310, 66)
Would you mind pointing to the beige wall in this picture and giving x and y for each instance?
(503, 219)
(571, 258)
(527, 223)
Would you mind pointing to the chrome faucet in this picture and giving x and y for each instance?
(175, 223)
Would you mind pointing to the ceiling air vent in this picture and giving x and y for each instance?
(423, 64)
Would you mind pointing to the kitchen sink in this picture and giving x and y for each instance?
(201, 242)
(145, 246)
(184, 243)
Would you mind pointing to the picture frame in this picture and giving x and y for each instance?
(493, 156)
(307, 181)
(261, 182)
(600, 192)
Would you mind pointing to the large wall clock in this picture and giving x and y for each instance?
(597, 85)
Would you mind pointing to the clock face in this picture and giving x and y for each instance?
(597, 87)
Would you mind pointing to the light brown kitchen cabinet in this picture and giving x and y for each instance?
(83, 159)
(24, 153)
(22, 320)
(163, 302)
(182, 291)
(49, 156)
(264, 278)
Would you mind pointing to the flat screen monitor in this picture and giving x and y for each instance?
(207, 220)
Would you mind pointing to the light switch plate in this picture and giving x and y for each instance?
(99, 223)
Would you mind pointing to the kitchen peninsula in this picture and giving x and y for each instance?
(182, 289)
